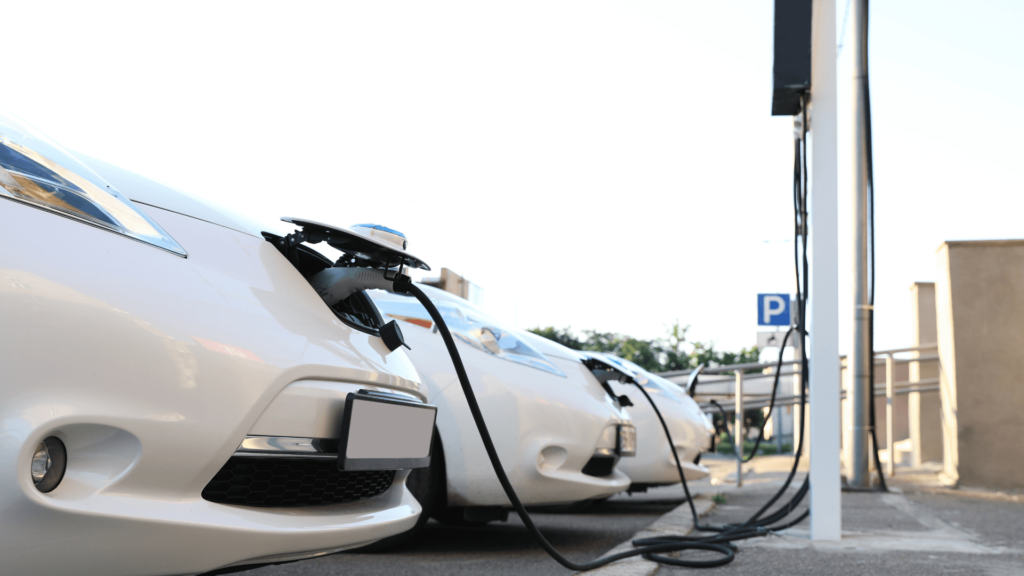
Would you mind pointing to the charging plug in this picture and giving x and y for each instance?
(337, 284)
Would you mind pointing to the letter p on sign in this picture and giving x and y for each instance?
(773, 310)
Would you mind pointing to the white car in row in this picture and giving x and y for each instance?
(556, 430)
(691, 430)
(176, 398)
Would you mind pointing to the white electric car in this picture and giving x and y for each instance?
(557, 432)
(690, 427)
(175, 397)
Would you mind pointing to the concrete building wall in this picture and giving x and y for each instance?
(924, 408)
(980, 321)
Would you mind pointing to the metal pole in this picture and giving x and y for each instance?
(777, 428)
(890, 444)
(860, 359)
(823, 318)
(738, 427)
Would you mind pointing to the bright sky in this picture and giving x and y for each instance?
(606, 165)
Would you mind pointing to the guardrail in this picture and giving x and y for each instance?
(890, 389)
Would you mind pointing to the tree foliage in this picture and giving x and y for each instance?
(658, 355)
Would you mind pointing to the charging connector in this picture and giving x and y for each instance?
(337, 284)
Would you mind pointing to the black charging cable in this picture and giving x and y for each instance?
(651, 548)
(757, 525)
(404, 284)
(771, 406)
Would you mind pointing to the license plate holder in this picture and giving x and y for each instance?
(381, 431)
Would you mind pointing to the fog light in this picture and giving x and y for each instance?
(627, 440)
(48, 464)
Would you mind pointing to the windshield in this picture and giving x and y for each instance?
(646, 378)
(469, 325)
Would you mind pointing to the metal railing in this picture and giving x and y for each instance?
(889, 389)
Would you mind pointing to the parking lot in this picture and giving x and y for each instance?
(918, 528)
(498, 547)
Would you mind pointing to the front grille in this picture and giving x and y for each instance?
(600, 466)
(292, 482)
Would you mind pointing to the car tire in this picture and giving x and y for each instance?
(428, 486)
(455, 516)
(450, 515)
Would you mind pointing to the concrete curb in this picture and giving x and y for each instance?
(678, 522)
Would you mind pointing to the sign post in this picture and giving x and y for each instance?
(777, 310)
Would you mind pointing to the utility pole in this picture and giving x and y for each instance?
(738, 435)
(861, 356)
(823, 316)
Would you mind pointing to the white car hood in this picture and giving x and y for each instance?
(148, 192)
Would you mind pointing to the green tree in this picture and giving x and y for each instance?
(658, 355)
(561, 335)
(674, 357)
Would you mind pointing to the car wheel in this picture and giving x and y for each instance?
(428, 486)
(450, 515)
(455, 516)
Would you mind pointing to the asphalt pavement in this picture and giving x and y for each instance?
(919, 528)
(498, 547)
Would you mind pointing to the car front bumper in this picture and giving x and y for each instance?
(654, 463)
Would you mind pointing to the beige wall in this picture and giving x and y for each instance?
(451, 282)
(980, 321)
(924, 408)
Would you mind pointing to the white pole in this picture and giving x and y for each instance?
(826, 509)
(738, 429)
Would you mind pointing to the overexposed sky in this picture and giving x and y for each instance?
(606, 165)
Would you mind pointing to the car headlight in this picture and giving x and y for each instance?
(36, 171)
(469, 325)
(708, 422)
(627, 440)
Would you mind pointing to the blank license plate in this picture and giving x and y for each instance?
(380, 433)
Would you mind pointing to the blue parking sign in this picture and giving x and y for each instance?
(773, 310)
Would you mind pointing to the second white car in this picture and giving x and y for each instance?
(556, 430)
